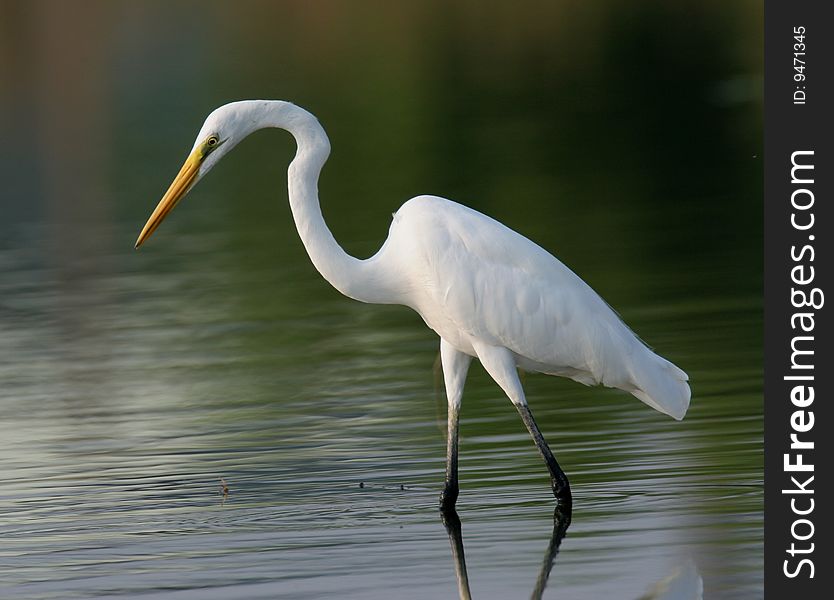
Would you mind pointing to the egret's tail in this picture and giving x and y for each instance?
(661, 385)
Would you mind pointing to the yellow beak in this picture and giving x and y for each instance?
(181, 184)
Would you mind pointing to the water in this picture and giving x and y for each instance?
(131, 383)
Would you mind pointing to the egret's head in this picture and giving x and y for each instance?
(223, 129)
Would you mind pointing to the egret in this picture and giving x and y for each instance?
(487, 291)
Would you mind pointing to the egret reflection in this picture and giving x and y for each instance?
(561, 522)
(452, 523)
(684, 583)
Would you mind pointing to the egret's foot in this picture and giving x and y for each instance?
(564, 501)
(448, 498)
(561, 518)
(561, 490)
(450, 518)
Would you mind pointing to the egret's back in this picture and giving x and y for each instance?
(473, 279)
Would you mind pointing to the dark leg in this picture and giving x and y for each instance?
(450, 490)
(500, 364)
(455, 367)
(559, 481)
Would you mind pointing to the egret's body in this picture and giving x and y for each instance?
(486, 290)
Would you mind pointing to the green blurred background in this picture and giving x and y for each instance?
(547, 115)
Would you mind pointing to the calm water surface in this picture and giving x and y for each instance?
(132, 382)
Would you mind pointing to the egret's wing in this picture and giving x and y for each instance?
(502, 289)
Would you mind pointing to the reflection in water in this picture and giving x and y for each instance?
(685, 583)
(561, 522)
(452, 523)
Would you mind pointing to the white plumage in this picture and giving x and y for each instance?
(486, 290)
(473, 279)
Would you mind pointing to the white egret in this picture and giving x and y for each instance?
(486, 290)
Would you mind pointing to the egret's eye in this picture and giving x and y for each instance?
(210, 145)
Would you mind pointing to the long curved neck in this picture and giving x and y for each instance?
(362, 280)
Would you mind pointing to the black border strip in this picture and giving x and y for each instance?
(799, 110)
